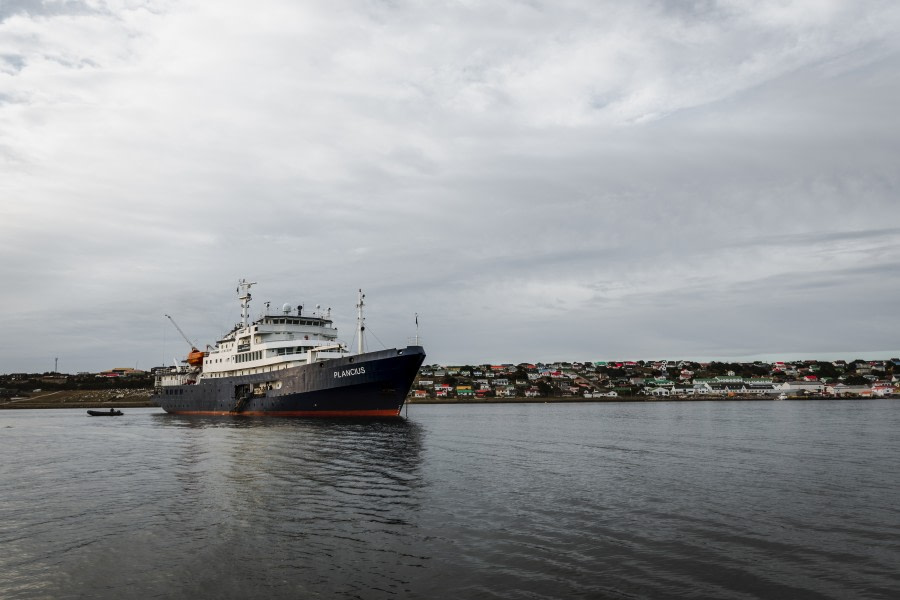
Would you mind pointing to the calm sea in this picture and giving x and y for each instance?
(656, 500)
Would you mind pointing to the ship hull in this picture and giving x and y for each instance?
(374, 384)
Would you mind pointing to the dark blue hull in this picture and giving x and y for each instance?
(374, 384)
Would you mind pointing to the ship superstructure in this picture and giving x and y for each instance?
(290, 364)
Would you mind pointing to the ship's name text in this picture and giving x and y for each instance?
(346, 372)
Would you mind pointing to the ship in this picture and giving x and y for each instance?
(288, 364)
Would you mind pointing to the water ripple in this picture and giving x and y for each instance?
(660, 500)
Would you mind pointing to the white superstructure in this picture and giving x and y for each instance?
(271, 343)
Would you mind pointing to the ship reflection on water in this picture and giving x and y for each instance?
(294, 506)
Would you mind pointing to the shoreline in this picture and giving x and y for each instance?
(556, 400)
(138, 401)
(102, 399)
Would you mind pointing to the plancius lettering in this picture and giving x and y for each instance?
(347, 372)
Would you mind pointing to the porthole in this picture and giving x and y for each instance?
(351, 359)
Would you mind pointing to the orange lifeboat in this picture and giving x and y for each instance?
(195, 358)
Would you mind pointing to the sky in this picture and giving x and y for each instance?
(537, 180)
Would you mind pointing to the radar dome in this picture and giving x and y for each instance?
(286, 309)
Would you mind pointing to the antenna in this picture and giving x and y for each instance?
(360, 321)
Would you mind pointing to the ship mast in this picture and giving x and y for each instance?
(244, 285)
(360, 321)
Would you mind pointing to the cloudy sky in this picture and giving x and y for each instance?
(537, 179)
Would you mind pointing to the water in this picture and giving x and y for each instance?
(656, 500)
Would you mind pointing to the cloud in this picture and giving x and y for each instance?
(538, 180)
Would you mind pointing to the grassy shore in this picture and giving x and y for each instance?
(104, 399)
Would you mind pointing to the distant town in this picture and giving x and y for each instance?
(660, 379)
(600, 380)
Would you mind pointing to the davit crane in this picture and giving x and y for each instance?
(195, 357)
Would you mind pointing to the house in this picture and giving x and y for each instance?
(761, 386)
(763, 389)
(121, 372)
(658, 391)
(805, 387)
(719, 386)
(728, 389)
(659, 383)
(420, 394)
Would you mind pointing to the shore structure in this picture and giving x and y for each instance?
(611, 381)
(289, 364)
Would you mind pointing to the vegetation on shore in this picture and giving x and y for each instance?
(87, 390)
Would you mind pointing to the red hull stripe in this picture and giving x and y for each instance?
(295, 413)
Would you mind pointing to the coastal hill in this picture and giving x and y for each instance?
(525, 382)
